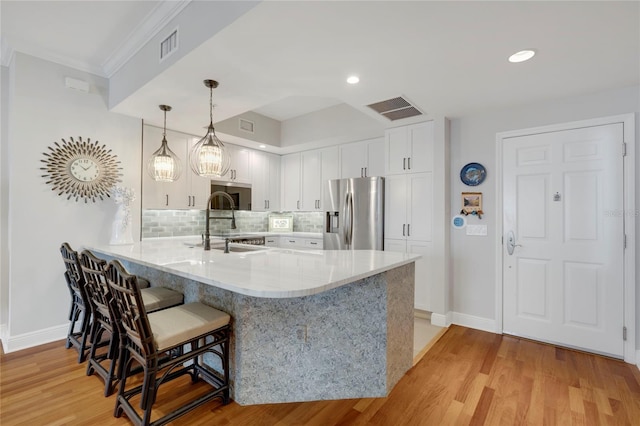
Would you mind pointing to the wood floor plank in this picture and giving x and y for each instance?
(466, 377)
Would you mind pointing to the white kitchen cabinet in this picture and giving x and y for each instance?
(303, 177)
(291, 242)
(265, 185)
(409, 225)
(290, 178)
(422, 292)
(239, 170)
(189, 191)
(272, 241)
(317, 166)
(313, 243)
(409, 206)
(362, 159)
(300, 243)
(311, 184)
(409, 149)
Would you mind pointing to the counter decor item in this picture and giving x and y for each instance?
(280, 223)
(81, 169)
(121, 227)
(473, 174)
(472, 204)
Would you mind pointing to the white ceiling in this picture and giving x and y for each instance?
(284, 59)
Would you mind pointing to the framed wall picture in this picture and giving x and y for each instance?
(472, 202)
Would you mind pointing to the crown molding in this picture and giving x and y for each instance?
(148, 28)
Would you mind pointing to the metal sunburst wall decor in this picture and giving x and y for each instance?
(81, 169)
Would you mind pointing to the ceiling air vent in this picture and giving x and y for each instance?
(246, 125)
(395, 108)
(169, 45)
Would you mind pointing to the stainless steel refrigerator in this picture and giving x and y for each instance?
(354, 214)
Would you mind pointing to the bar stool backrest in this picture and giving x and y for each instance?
(73, 273)
(130, 307)
(97, 288)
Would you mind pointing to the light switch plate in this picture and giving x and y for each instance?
(476, 229)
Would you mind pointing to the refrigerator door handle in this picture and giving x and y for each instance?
(348, 219)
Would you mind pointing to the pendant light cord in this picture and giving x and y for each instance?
(211, 106)
(164, 128)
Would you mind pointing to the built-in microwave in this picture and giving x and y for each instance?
(239, 192)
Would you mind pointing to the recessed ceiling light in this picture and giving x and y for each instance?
(263, 146)
(521, 56)
(354, 79)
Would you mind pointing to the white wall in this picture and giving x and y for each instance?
(4, 197)
(473, 139)
(44, 111)
(330, 126)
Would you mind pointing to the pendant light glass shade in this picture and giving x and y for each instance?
(164, 165)
(209, 157)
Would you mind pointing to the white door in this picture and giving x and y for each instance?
(564, 281)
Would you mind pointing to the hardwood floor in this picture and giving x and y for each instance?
(468, 377)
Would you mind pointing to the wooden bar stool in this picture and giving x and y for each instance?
(154, 339)
(80, 311)
(105, 317)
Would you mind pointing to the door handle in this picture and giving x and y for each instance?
(167, 203)
(348, 219)
(365, 172)
(404, 226)
(511, 243)
(409, 163)
(408, 229)
(404, 163)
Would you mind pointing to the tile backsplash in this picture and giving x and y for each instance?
(174, 223)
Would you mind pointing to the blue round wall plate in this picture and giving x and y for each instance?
(473, 174)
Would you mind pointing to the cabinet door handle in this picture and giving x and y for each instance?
(267, 203)
(313, 243)
(167, 202)
(188, 200)
(366, 173)
(404, 225)
(193, 200)
(409, 163)
(404, 163)
(408, 230)
(298, 204)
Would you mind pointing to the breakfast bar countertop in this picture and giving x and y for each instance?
(260, 271)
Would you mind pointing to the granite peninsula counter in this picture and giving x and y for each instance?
(307, 324)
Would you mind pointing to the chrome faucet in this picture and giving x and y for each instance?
(207, 235)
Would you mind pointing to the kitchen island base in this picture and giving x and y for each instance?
(354, 341)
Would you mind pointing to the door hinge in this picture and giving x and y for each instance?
(624, 149)
(624, 240)
(624, 333)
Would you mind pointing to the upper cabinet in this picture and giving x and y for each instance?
(265, 185)
(189, 191)
(362, 159)
(317, 166)
(409, 149)
(290, 178)
(239, 170)
(304, 175)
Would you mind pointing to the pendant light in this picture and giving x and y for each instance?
(164, 165)
(209, 158)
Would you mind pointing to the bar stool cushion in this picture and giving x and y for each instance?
(182, 323)
(143, 283)
(156, 298)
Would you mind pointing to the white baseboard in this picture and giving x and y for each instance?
(441, 320)
(3, 336)
(35, 338)
(471, 321)
(478, 323)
